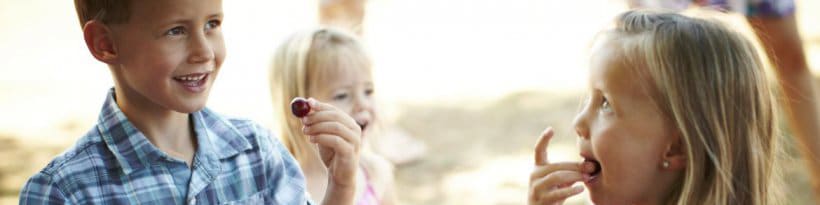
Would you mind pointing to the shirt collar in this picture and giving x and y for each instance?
(216, 137)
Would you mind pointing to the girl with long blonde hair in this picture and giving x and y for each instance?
(331, 66)
(680, 112)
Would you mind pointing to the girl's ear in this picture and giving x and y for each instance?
(674, 158)
(98, 40)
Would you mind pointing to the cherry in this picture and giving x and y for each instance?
(300, 107)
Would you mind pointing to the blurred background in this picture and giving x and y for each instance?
(473, 81)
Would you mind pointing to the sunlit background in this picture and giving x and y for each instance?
(474, 80)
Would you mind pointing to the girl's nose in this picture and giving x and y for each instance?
(363, 108)
(581, 124)
(362, 103)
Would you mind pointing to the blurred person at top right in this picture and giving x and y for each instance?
(775, 25)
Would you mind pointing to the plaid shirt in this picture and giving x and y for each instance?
(237, 162)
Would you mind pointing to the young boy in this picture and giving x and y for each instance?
(155, 143)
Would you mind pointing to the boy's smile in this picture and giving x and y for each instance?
(194, 83)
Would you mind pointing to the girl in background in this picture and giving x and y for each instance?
(331, 66)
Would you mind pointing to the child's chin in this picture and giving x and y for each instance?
(602, 199)
(596, 197)
(190, 108)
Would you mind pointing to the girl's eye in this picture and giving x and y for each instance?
(605, 107)
(340, 97)
(179, 30)
(212, 24)
(368, 92)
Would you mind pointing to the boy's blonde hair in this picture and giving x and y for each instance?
(302, 62)
(106, 11)
(709, 81)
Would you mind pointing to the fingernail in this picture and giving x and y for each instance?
(312, 139)
(578, 189)
(547, 130)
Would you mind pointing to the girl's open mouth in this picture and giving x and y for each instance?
(362, 125)
(594, 174)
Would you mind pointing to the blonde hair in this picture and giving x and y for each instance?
(709, 81)
(304, 60)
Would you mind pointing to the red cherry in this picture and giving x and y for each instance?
(300, 107)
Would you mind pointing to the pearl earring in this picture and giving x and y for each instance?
(665, 164)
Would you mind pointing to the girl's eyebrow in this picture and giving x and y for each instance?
(599, 86)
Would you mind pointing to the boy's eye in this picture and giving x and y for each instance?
(212, 24)
(368, 92)
(179, 30)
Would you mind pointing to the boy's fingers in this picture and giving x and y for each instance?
(541, 147)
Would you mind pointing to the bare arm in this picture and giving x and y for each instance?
(784, 47)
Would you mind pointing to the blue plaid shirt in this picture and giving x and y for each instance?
(236, 162)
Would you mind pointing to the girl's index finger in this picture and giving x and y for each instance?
(317, 107)
(541, 147)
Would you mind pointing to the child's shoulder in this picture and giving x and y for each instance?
(79, 161)
(374, 161)
(377, 166)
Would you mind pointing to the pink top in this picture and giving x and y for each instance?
(368, 197)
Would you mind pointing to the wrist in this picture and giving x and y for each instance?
(339, 194)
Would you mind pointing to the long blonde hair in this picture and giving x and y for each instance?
(305, 59)
(709, 81)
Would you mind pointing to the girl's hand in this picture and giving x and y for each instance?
(551, 183)
(339, 138)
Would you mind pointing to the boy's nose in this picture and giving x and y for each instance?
(201, 50)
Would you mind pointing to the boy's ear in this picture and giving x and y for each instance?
(99, 41)
(675, 154)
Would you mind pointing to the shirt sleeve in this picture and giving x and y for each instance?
(41, 189)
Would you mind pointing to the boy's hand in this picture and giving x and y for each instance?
(551, 183)
(339, 138)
